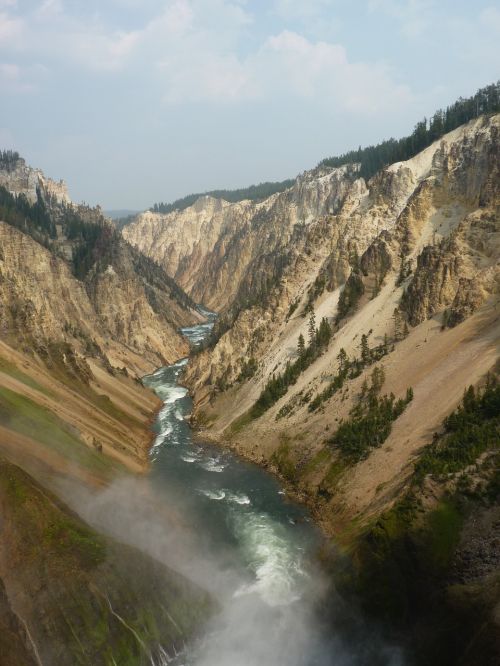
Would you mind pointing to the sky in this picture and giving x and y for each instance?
(138, 101)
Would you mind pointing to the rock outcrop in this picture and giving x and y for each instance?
(83, 315)
(20, 178)
(80, 281)
(405, 270)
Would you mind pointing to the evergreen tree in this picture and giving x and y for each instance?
(342, 359)
(312, 328)
(365, 349)
(398, 324)
(374, 158)
(254, 193)
(324, 333)
(301, 346)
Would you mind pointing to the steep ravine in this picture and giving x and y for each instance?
(348, 307)
(83, 315)
(410, 260)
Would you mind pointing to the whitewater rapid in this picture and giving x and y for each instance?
(267, 586)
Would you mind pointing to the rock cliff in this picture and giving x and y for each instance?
(83, 315)
(120, 302)
(403, 273)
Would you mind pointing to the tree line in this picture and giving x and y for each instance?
(370, 421)
(469, 431)
(254, 193)
(31, 218)
(9, 160)
(278, 385)
(374, 158)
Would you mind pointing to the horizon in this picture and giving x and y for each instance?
(142, 102)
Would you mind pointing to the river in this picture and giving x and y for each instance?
(259, 548)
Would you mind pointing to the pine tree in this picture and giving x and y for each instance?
(342, 359)
(324, 333)
(312, 328)
(301, 346)
(398, 324)
(365, 349)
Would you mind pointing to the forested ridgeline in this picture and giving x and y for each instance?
(373, 158)
(253, 193)
(95, 243)
(9, 160)
(31, 218)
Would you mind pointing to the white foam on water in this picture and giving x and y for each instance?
(212, 465)
(216, 495)
(271, 556)
(241, 498)
(171, 394)
(189, 459)
(156, 446)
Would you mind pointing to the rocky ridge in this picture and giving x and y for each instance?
(421, 236)
(83, 315)
(405, 269)
(23, 179)
(115, 300)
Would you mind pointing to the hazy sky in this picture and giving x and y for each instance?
(136, 101)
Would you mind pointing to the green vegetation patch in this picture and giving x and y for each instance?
(472, 429)
(76, 539)
(22, 415)
(238, 424)
(283, 460)
(13, 371)
(443, 526)
(371, 420)
(95, 602)
(277, 386)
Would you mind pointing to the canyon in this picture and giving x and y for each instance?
(75, 341)
(353, 315)
(405, 264)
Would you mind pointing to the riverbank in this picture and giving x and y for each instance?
(430, 555)
(70, 431)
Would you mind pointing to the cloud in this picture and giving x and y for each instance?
(413, 15)
(191, 52)
(11, 29)
(20, 80)
(322, 71)
(285, 65)
(293, 10)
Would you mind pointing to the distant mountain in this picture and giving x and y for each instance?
(253, 193)
(120, 212)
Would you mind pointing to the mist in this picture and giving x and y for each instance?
(227, 526)
(274, 617)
